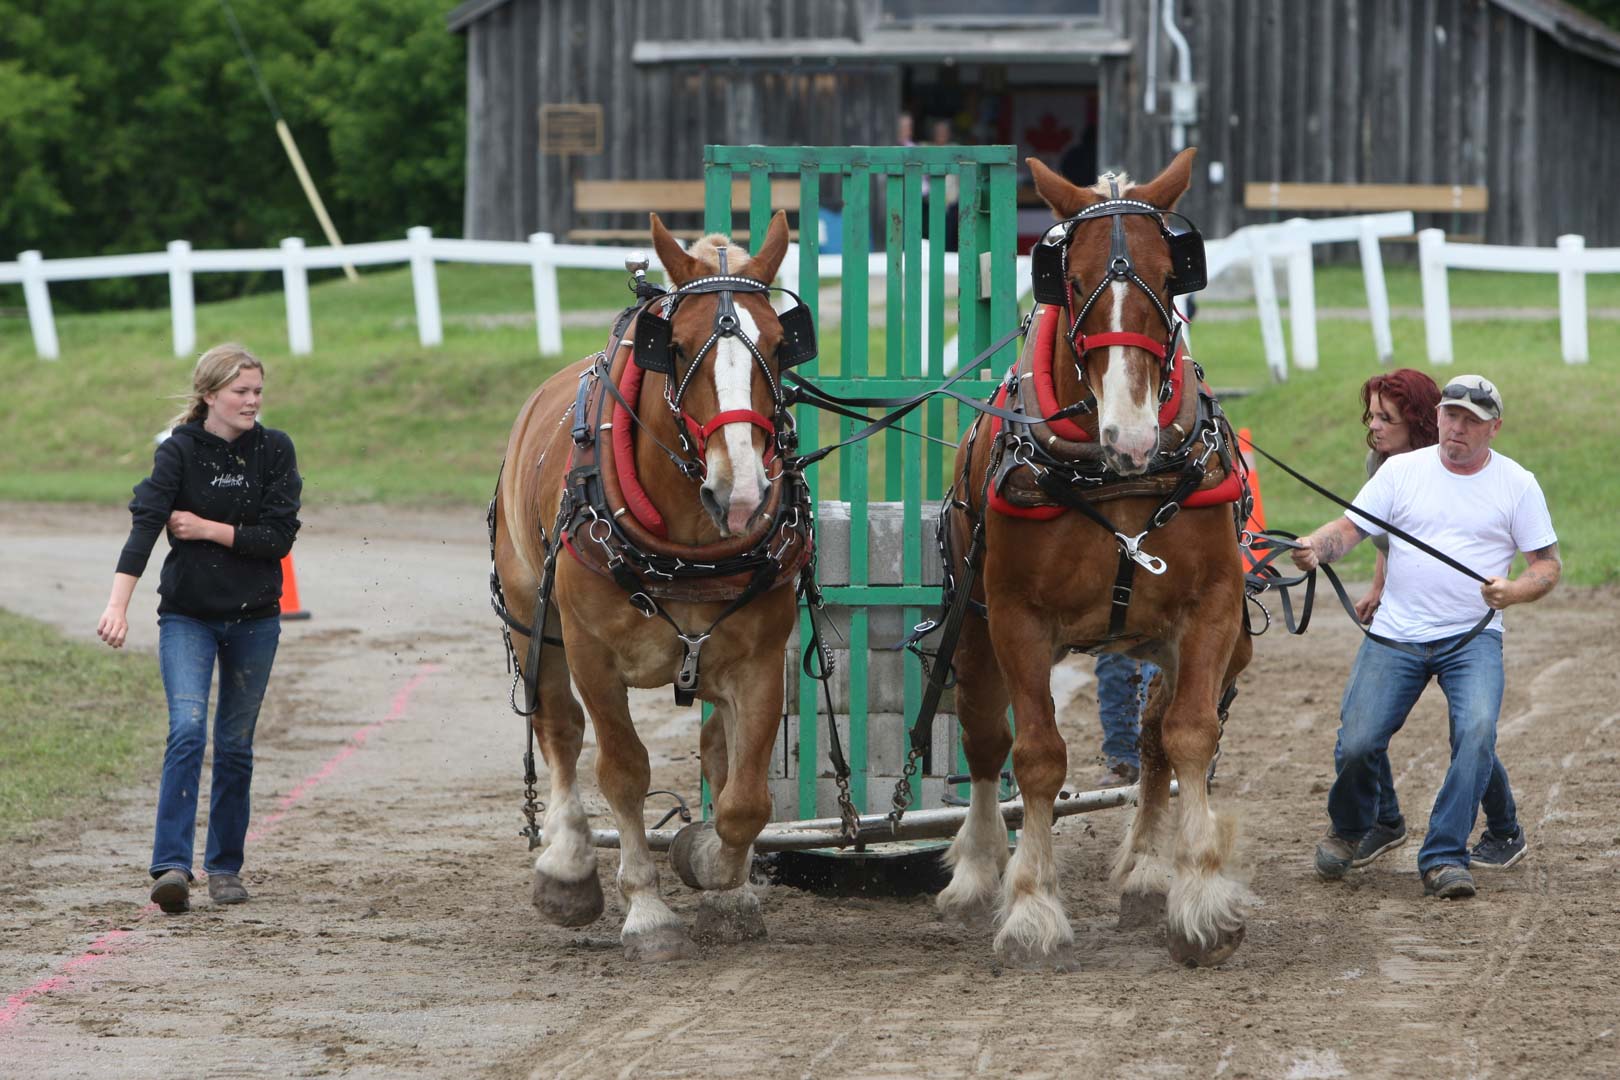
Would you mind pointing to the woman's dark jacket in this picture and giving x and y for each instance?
(253, 484)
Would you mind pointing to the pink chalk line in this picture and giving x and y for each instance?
(108, 943)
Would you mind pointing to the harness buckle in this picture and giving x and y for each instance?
(686, 679)
(644, 604)
(1132, 546)
(1165, 514)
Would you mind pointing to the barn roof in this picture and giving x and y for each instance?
(1569, 26)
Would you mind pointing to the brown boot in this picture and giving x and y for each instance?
(172, 892)
(226, 889)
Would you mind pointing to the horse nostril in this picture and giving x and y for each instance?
(712, 503)
(1110, 433)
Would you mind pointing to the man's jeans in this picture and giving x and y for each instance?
(1384, 685)
(187, 650)
(1122, 689)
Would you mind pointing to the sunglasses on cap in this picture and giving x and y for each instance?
(1477, 394)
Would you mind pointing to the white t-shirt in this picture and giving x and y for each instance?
(1481, 520)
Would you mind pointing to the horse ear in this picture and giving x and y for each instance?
(680, 266)
(1065, 199)
(764, 265)
(1166, 189)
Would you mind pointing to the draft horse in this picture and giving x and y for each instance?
(646, 531)
(1105, 523)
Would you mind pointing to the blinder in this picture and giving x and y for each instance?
(1187, 270)
(652, 351)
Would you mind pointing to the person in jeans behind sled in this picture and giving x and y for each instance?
(1122, 690)
(226, 489)
(1400, 411)
(1480, 507)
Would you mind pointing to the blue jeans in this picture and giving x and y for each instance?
(187, 651)
(1122, 689)
(1384, 685)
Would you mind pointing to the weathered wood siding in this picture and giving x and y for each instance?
(1391, 91)
(1408, 91)
(657, 117)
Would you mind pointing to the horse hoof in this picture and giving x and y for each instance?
(680, 851)
(1141, 910)
(729, 918)
(657, 946)
(568, 903)
(1191, 954)
(1060, 958)
(975, 915)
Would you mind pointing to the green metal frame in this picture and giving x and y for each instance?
(913, 471)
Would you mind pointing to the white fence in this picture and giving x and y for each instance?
(1257, 246)
(1570, 260)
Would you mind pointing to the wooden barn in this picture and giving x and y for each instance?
(1505, 109)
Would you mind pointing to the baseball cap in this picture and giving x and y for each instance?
(1475, 393)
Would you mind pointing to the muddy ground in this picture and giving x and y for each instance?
(391, 933)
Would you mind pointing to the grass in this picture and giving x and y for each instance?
(77, 722)
(377, 417)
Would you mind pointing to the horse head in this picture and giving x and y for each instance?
(1120, 275)
(725, 378)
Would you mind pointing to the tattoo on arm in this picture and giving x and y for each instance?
(1544, 569)
(1332, 541)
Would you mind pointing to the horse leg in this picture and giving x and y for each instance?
(726, 916)
(1035, 931)
(718, 855)
(1141, 871)
(979, 852)
(651, 930)
(1206, 908)
(567, 891)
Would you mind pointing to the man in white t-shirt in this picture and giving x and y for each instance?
(1481, 508)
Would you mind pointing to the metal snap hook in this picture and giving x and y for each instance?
(1133, 550)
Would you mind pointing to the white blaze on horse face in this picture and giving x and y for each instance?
(1126, 423)
(737, 476)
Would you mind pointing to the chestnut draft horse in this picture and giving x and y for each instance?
(1082, 550)
(645, 513)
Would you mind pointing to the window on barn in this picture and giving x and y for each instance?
(939, 13)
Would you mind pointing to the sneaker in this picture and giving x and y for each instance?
(1448, 882)
(172, 892)
(1496, 853)
(226, 889)
(1334, 855)
(1379, 839)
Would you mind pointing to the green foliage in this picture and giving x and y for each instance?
(1606, 10)
(140, 123)
(76, 721)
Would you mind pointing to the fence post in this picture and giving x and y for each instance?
(38, 296)
(1301, 296)
(1265, 297)
(295, 283)
(1436, 296)
(1572, 299)
(426, 284)
(547, 306)
(1372, 273)
(182, 300)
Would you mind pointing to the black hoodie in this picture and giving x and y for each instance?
(251, 483)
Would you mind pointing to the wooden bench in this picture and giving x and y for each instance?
(666, 197)
(1369, 199)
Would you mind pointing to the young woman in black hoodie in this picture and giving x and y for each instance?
(227, 491)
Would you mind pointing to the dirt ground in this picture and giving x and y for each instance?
(391, 933)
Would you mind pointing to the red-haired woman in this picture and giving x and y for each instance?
(1400, 411)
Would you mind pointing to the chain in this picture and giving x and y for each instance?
(902, 790)
(531, 800)
(851, 826)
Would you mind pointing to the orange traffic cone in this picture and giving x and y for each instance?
(291, 607)
(1257, 516)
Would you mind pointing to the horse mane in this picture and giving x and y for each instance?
(1123, 179)
(707, 251)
